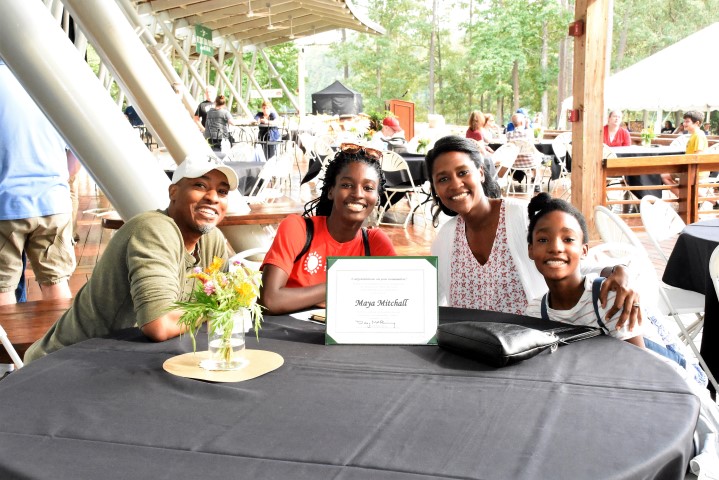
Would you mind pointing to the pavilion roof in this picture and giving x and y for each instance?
(260, 22)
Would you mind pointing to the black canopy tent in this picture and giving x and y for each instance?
(336, 100)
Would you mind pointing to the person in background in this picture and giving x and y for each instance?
(216, 125)
(294, 277)
(35, 205)
(490, 130)
(268, 132)
(204, 106)
(482, 249)
(707, 129)
(474, 131)
(614, 134)
(697, 144)
(133, 117)
(476, 122)
(511, 126)
(144, 268)
(668, 127)
(390, 137)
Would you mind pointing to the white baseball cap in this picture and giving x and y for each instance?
(195, 166)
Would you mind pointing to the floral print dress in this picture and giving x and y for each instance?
(493, 286)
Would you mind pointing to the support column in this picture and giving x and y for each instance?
(589, 71)
(277, 75)
(159, 57)
(70, 95)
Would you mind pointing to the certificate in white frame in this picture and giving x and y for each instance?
(382, 300)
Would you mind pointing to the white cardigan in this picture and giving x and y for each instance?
(517, 221)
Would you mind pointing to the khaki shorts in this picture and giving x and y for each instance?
(47, 241)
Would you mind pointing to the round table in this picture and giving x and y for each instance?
(688, 268)
(599, 408)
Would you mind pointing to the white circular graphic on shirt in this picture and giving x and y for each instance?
(313, 263)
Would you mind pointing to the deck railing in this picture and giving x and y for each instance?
(694, 186)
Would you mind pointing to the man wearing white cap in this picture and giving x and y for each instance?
(145, 266)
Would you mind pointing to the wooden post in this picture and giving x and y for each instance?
(589, 72)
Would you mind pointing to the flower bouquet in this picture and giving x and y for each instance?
(647, 135)
(223, 299)
(422, 144)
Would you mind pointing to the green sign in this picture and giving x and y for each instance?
(203, 39)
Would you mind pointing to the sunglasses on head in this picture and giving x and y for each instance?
(353, 148)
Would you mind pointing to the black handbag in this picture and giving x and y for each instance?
(501, 344)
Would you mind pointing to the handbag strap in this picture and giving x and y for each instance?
(596, 286)
(575, 333)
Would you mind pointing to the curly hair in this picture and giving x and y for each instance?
(543, 204)
(453, 143)
(322, 205)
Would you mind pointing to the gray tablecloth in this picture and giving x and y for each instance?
(105, 409)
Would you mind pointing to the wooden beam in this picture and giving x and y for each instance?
(589, 72)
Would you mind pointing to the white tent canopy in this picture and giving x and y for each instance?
(667, 81)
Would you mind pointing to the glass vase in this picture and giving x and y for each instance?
(226, 344)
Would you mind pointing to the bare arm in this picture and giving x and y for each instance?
(278, 299)
(164, 327)
(199, 123)
(638, 341)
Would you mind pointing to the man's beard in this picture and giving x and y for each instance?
(205, 228)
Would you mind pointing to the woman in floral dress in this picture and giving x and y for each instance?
(482, 249)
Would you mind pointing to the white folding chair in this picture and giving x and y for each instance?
(660, 222)
(670, 301)
(393, 162)
(503, 159)
(614, 230)
(250, 258)
(680, 142)
(564, 137)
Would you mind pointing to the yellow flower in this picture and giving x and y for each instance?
(215, 267)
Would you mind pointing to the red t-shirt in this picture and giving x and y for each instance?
(621, 139)
(474, 134)
(310, 269)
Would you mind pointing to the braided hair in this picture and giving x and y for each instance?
(322, 205)
(453, 143)
(543, 204)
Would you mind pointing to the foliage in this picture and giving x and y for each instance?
(647, 135)
(217, 296)
(284, 58)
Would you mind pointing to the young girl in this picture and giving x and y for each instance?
(293, 273)
(558, 240)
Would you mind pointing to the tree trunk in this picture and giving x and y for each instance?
(346, 63)
(431, 56)
(515, 86)
(623, 35)
(543, 65)
(561, 81)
